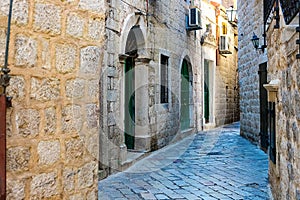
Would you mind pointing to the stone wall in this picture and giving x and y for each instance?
(282, 50)
(162, 28)
(282, 65)
(223, 83)
(56, 52)
(227, 86)
(248, 66)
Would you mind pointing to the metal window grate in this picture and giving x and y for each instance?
(290, 9)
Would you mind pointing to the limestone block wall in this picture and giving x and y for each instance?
(162, 25)
(56, 53)
(250, 20)
(227, 86)
(171, 38)
(282, 50)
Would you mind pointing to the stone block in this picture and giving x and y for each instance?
(69, 179)
(111, 95)
(15, 189)
(87, 175)
(65, 57)
(92, 195)
(2, 44)
(49, 152)
(71, 118)
(92, 5)
(75, 88)
(74, 149)
(93, 89)
(18, 158)
(47, 18)
(76, 197)
(45, 89)
(16, 88)
(96, 29)
(111, 119)
(26, 51)
(46, 55)
(90, 60)
(91, 143)
(44, 185)
(20, 10)
(50, 119)
(28, 122)
(75, 25)
(143, 143)
(92, 115)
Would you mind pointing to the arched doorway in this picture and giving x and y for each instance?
(186, 95)
(134, 42)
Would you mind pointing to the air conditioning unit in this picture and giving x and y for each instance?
(194, 17)
(224, 44)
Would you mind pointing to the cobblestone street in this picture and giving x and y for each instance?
(217, 164)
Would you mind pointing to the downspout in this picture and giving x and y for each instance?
(4, 103)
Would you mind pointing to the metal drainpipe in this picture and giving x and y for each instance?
(4, 103)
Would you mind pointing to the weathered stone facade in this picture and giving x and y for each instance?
(282, 50)
(223, 78)
(70, 63)
(159, 29)
(283, 67)
(248, 66)
(56, 53)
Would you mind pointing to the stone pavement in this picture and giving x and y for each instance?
(216, 164)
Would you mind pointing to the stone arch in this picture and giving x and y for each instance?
(133, 26)
(186, 94)
(134, 104)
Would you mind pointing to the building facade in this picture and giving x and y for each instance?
(163, 81)
(269, 82)
(94, 81)
(55, 57)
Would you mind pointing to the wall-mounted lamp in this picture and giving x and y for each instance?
(255, 42)
(231, 14)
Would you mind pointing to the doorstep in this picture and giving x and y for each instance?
(132, 157)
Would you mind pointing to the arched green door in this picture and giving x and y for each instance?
(185, 97)
(129, 103)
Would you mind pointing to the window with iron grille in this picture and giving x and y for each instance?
(164, 62)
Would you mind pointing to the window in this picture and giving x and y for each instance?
(164, 62)
(224, 28)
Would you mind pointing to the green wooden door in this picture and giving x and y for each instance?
(129, 103)
(185, 114)
(206, 91)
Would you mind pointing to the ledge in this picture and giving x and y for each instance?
(272, 89)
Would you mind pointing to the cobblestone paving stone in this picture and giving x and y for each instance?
(217, 164)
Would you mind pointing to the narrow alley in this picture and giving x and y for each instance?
(217, 164)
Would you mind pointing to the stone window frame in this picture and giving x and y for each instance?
(163, 78)
(165, 53)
